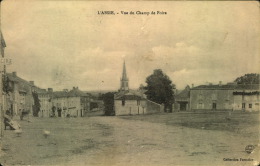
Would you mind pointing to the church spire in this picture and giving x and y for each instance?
(124, 79)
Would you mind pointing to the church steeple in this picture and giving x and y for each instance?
(124, 80)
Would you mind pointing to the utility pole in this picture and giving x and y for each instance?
(1, 83)
(2, 47)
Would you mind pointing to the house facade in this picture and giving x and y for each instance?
(182, 100)
(20, 98)
(246, 98)
(74, 103)
(225, 97)
(45, 102)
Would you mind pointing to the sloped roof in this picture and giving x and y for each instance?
(247, 87)
(130, 95)
(23, 85)
(214, 87)
(228, 86)
(72, 93)
(59, 94)
(14, 78)
(76, 92)
(184, 94)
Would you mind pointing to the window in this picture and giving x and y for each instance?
(123, 102)
(243, 105)
(250, 105)
(214, 105)
(200, 105)
(138, 102)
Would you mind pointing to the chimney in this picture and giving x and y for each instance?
(192, 85)
(14, 74)
(220, 83)
(50, 90)
(31, 82)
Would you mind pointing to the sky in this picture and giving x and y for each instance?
(62, 44)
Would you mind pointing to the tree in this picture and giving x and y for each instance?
(6, 84)
(160, 89)
(37, 105)
(252, 78)
(108, 99)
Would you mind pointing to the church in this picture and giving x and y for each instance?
(132, 102)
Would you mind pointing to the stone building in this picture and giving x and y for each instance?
(20, 98)
(211, 97)
(182, 100)
(225, 97)
(132, 102)
(73, 103)
(45, 101)
(246, 98)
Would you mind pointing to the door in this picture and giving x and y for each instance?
(183, 106)
(59, 112)
(214, 106)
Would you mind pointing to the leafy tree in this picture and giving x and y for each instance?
(108, 99)
(160, 89)
(252, 78)
(6, 84)
(37, 105)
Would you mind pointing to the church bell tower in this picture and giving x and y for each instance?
(124, 80)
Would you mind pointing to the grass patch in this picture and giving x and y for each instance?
(238, 122)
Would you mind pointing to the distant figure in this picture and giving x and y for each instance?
(46, 133)
(8, 112)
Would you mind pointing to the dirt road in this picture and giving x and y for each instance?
(116, 141)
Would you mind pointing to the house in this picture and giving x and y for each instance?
(20, 98)
(132, 102)
(70, 103)
(246, 97)
(225, 97)
(182, 100)
(45, 101)
(212, 97)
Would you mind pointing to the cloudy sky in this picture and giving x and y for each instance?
(62, 44)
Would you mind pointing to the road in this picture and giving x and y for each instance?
(115, 141)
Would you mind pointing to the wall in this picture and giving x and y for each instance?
(45, 105)
(70, 106)
(153, 107)
(130, 107)
(204, 99)
(248, 100)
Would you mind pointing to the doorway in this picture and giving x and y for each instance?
(214, 106)
(183, 106)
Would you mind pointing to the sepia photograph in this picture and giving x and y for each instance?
(129, 83)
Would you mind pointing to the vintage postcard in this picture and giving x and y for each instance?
(129, 83)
